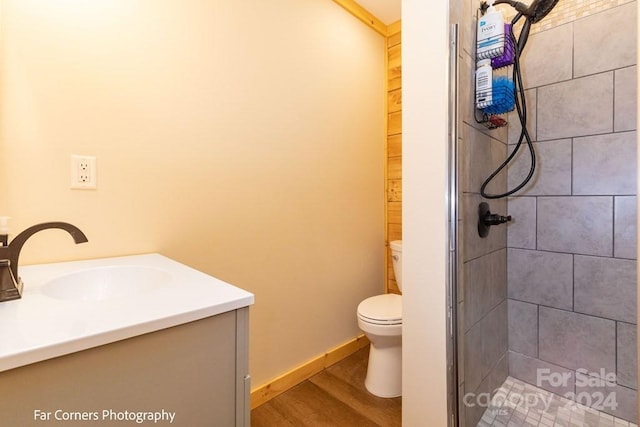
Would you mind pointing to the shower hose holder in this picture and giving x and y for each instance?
(486, 219)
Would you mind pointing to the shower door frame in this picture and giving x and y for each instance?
(453, 231)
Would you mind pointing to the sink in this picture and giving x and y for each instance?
(103, 283)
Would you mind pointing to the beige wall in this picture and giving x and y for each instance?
(424, 184)
(243, 138)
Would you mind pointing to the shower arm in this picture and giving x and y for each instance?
(525, 10)
(534, 12)
(519, 6)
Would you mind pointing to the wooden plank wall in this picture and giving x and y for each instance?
(394, 147)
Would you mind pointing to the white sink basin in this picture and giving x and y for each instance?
(103, 283)
(72, 306)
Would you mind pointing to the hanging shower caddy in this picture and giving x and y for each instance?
(500, 100)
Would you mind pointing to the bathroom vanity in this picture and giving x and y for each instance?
(112, 341)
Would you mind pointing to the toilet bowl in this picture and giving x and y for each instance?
(380, 318)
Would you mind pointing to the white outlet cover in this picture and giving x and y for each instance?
(83, 172)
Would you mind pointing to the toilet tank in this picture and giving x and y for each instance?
(396, 256)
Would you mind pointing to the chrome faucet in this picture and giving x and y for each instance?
(10, 282)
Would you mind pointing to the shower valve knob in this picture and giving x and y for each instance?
(486, 219)
(495, 219)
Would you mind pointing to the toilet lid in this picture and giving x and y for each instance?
(382, 309)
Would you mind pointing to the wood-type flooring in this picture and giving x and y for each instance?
(333, 397)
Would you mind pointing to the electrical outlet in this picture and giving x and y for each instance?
(83, 172)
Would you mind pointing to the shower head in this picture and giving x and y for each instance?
(534, 12)
(538, 9)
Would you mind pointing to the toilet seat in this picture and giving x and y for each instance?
(381, 310)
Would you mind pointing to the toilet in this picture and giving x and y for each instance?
(380, 318)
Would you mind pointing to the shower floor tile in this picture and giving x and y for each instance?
(518, 404)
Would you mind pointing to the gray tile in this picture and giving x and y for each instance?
(477, 278)
(577, 341)
(499, 373)
(521, 230)
(547, 376)
(488, 386)
(498, 185)
(581, 225)
(627, 360)
(611, 156)
(460, 289)
(469, 20)
(625, 228)
(498, 277)
(514, 128)
(473, 245)
(473, 358)
(610, 398)
(461, 405)
(473, 413)
(603, 41)
(461, 344)
(627, 400)
(540, 277)
(494, 337)
(467, 89)
(626, 92)
(548, 57)
(590, 386)
(485, 347)
(482, 154)
(523, 328)
(553, 169)
(576, 107)
(467, 26)
(605, 287)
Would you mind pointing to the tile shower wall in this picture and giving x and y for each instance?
(571, 245)
(482, 275)
(568, 11)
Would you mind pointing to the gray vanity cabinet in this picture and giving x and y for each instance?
(197, 370)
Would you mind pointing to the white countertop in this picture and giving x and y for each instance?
(38, 327)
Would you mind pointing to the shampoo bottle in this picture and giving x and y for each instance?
(484, 83)
(490, 37)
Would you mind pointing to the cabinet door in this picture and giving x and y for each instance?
(189, 370)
